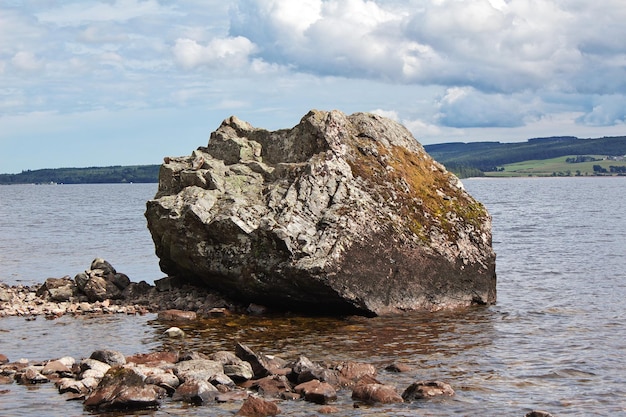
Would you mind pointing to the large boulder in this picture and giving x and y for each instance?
(341, 214)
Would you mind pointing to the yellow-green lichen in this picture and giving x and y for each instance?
(421, 192)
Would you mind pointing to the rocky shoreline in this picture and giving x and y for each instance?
(102, 290)
(256, 384)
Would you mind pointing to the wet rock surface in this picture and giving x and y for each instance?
(146, 381)
(340, 213)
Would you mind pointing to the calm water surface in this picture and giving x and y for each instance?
(554, 341)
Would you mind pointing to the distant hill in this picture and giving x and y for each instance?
(91, 175)
(464, 159)
(474, 158)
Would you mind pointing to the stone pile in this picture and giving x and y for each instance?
(110, 381)
(102, 290)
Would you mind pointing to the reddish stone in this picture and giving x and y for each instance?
(317, 392)
(352, 371)
(257, 407)
(398, 367)
(376, 393)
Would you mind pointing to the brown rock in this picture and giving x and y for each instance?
(376, 393)
(56, 367)
(196, 392)
(272, 386)
(123, 389)
(427, 389)
(538, 413)
(317, 392)
(353, 371)
(398, 367)
(257, 407)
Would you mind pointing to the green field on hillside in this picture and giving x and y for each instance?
(556, 167)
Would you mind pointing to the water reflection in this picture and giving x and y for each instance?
(412, 338)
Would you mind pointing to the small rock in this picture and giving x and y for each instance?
(123, 389)
(352, 371)
(239, 372)
(56, 367)
(174, 332)
(110, 357)
(538, 413)
(426, 389)
(195, 392)
(317, 392)
(31, 375)
(376, 393)
(70, 385)
(257, 407)
(273, 386)
(259, 363)
(199, 369)
(91, 368)
(58, 289)
(398, 367)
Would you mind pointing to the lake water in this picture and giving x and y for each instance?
(556, 340)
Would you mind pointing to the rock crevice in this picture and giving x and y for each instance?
(340, 213)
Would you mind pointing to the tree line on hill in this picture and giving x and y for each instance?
(475, 158)
(91, 175)
(471, 159)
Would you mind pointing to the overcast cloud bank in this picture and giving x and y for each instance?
(83, 80)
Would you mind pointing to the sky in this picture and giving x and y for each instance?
(124, 82)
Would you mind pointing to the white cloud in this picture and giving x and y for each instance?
(607, 111)
(447, 69)
(466, 107)
(26, 61)
(219, 52)
(390, 114)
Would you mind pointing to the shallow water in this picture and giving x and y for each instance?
(554, 341)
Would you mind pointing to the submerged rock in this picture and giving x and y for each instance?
(338, 214)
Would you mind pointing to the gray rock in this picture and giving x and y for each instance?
(58, 289)
(338, 214)
(195, 392)
(99, 289)
(427, 389)
(239, 371)
(198, 369)
(105, 266)
(110, 357)
(92, 368)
